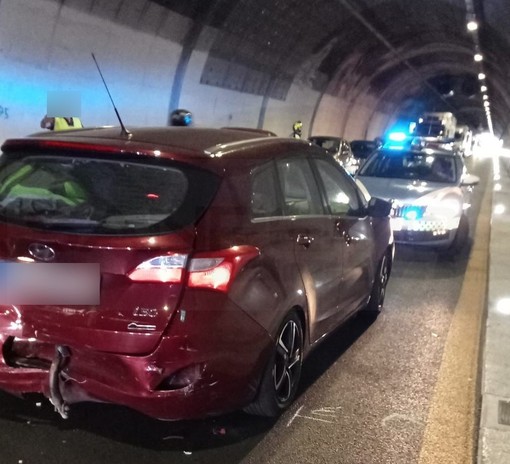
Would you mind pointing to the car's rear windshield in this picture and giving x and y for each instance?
(362, 149)
(328, 144)
(98, 195)
(396, 164)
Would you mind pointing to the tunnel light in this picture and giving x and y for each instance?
(485, 97)
(499, 209)
(472, 26)
(483, 88)
(503, 306)
(478, 57)
(486, 104)
(497, 187)
(481, 76)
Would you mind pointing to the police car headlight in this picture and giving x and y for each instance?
(448, 208)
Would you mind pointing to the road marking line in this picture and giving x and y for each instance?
(294, 416)
(309, 417)
(449, 436)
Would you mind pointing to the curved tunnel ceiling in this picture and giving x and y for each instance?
(396, 50)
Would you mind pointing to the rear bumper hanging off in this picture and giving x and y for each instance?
(62, 354)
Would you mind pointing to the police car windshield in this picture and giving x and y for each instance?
(395, 164)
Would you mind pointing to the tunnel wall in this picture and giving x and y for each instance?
(339, 116)
(46, 46)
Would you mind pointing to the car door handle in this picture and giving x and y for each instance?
(350, 238)
(305, 240)
(339, 227)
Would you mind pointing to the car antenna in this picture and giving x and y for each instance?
(124, 131)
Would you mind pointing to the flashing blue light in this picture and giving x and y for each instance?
(397, 136)
(412, 213)
(394, 147)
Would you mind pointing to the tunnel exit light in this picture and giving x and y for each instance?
(503, 306)
(499, 209)
(472, 26)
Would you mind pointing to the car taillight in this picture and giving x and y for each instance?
(168, 269)
(214, 270)
(210, 273)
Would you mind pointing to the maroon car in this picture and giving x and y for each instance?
(223, 260)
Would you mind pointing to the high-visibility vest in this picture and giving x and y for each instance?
(62, 124)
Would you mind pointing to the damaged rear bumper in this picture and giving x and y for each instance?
(187, 376)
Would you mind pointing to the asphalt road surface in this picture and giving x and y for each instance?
(365, 397)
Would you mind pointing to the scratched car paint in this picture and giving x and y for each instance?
(224, 259)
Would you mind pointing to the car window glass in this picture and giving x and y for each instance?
(264, 199)
(340, 192)
(331, 145)
(101, 196)
(300, 192)
(431, 167)
(443, 169)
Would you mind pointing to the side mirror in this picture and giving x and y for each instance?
(377, 207)
(469, 180)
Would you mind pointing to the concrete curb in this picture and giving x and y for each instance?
(494, 433)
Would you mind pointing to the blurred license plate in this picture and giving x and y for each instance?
(49, 283)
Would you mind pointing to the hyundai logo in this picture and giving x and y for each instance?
(41, 252)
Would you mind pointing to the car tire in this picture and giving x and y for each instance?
(461, 237)
(281, 377)
(378, 293)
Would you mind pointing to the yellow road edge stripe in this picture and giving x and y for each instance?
(452, 419)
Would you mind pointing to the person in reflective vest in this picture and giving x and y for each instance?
(60, 123)
(296, 129)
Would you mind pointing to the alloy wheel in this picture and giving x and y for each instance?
(287, 363)
(383, 280)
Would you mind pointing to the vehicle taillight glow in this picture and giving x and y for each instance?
(212, 270)
(210, 273)
(216, 270)
(168, 269)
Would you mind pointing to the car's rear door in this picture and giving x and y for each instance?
(318, 251)
(353, 233)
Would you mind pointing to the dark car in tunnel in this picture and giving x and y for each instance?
(339, 149)
(223, 261)
(362, 149)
